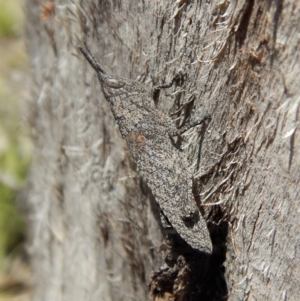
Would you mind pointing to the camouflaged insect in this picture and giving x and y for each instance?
(147, 132)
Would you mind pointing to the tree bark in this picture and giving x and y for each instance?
(94, 226)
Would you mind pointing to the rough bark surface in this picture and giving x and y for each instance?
(95, 228)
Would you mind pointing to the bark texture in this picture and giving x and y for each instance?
(95, 228)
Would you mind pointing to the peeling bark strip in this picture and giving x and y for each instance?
(165, 169)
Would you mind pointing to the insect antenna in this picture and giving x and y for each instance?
(90, 58)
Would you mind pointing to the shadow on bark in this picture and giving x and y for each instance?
(189, 274)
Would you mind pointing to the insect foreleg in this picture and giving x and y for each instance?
(156, 89)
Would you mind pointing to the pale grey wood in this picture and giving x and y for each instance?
(94, 235)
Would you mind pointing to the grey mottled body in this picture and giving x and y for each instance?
(165, 169)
